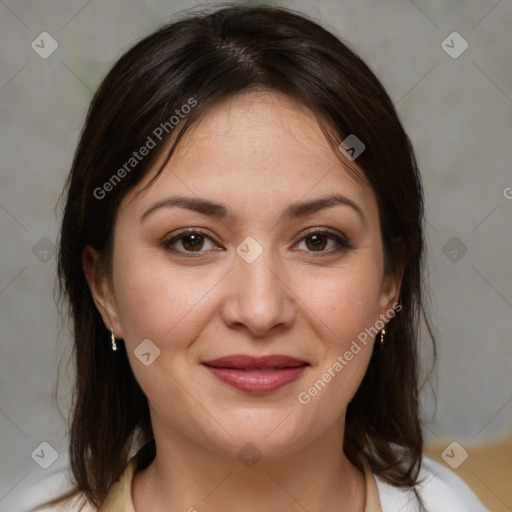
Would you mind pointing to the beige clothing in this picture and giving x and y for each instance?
(119, 498)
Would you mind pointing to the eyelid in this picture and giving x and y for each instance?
(190, 231)
(324, 231)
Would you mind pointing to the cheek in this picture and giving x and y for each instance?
(170, 308)
(342, 309)
(345, 301)
(157, 303)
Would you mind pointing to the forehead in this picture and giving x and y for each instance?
(256, 147)
(266, 127)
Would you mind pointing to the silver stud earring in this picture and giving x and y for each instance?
(112, 337)
(382, 333)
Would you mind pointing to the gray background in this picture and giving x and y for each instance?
(457, 111)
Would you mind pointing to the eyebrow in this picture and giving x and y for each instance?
(219, 210)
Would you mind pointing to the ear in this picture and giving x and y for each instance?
(390, 291)
(392, 283)
(101, 290)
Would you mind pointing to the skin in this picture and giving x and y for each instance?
(256, 153)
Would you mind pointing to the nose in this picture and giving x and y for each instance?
(258, 300)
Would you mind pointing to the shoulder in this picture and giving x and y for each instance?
(439, 488)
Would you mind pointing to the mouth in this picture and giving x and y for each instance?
(257, 375)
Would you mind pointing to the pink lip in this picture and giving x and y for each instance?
(257, 375)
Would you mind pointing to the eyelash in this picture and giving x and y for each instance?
(343, 243)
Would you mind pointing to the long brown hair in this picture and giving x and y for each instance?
(211, 56)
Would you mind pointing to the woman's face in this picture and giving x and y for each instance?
(274, 267)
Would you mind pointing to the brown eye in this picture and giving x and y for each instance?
(324, 243)
(316, 242)
(192, 242)
(189, 242)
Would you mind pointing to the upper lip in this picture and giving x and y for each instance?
(246, 362)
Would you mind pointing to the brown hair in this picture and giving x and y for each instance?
(210, 57)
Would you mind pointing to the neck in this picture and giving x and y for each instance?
(189, 477)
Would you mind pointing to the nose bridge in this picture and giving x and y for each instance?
(260, 299)
(258, 279)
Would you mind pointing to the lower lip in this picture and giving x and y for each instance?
(257, 381)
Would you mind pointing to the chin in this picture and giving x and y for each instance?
(273, 434)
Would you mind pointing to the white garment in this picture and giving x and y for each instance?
(441, 491)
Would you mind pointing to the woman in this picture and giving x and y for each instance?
(242, 252)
